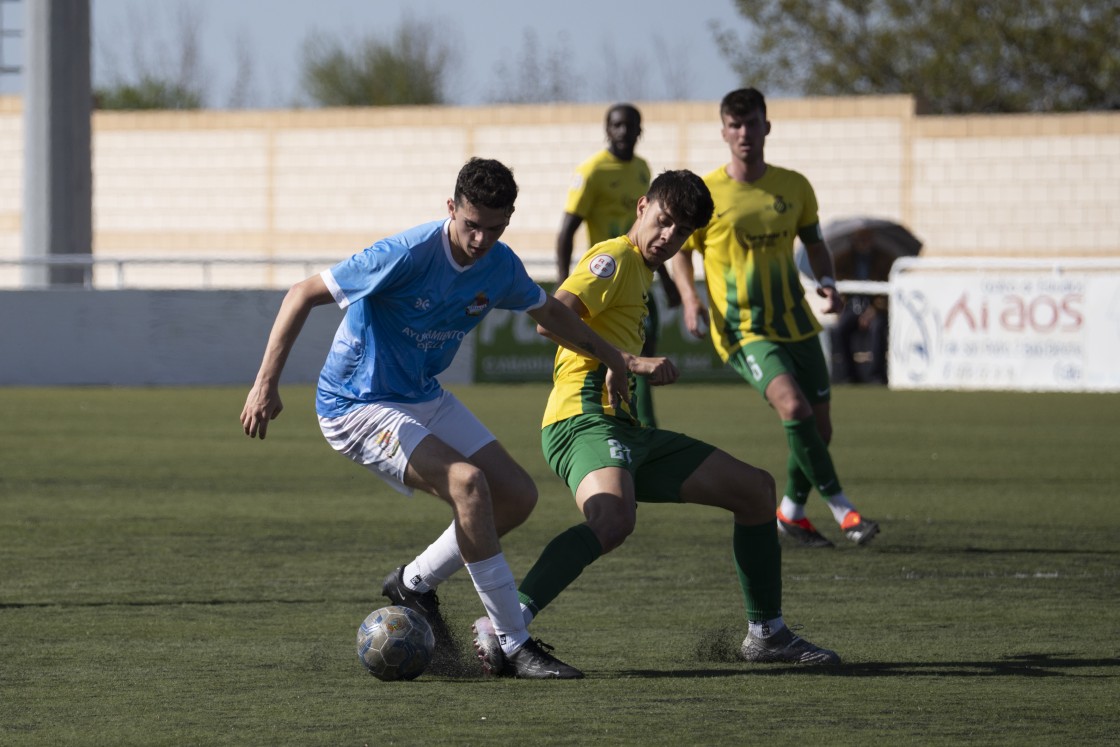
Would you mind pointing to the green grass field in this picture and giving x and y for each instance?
(164, 580)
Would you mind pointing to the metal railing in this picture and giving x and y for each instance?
(207, 273)
(150, 272)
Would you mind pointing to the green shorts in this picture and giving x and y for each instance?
(660, 461)
(759, 362)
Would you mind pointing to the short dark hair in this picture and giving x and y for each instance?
(741, 102)
(484, 182)
(629, 109)
(684, 195)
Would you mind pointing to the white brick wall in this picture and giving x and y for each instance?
(152, 181)
(1043, 195)
(333, 181)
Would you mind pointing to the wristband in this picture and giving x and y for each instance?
(827, 282)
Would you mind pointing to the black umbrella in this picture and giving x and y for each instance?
(887, 234)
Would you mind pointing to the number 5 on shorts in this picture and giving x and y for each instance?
(756, 370)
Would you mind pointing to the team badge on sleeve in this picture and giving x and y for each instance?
(602, 266)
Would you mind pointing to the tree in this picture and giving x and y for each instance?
(537, 77)
(242, 92)
(169, 69)
(409, 68)
(548, 73)
(955, 56)
(147, 93)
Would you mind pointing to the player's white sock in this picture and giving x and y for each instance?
(436, 564)
(840, 506)
(527, 614)
(766, 628)
(790, 510)
(498, 591)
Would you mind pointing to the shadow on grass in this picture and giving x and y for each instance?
(176, 602)
(1023, 665)
(971, 549)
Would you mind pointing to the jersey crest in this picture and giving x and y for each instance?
(479, 306)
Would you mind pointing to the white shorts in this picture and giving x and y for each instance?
(382, 436)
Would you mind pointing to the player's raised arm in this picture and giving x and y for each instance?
(263, 402)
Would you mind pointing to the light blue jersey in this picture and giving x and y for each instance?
(409, 305)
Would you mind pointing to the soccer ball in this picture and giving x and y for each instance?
(395, 643)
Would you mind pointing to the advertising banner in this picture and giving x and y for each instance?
(1016, 329)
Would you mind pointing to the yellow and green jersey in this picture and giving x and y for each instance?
(612, 280)
(605, 194)
(754, 291)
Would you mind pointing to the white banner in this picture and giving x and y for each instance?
(1019, 328)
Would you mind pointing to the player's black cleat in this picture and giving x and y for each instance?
(802, 531)
(424, 602)
(858, 529)
(445, 657)
(535, 661)
(788, 648)
(532, 661)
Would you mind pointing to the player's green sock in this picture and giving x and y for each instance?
(798, 484)
(811, 453)
(560, 563)
(643, 402)
(758, 559)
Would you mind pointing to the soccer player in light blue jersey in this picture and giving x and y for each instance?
(410, 300)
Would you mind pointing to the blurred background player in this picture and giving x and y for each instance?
(760, 320)
(604, 194)
(610, 461)
(409, 301)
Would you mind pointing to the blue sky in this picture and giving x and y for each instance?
(614, 49)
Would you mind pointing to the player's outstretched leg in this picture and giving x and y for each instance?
(531, 661)
(786, 647)
(748, 492)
